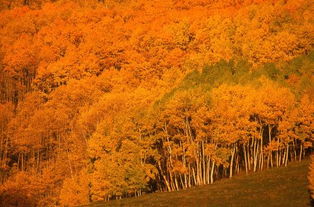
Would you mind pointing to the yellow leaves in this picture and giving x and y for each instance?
(191, 151)
(272, 104)
(274, 146)
(221, 156)
(265, 34)
(178, 167)
(232, 108)
(175, 57)
(21, 62)
(178, 35)
(144, 43)
(18, 190)
(28, 189)
(213, 39)
(75, 190)
(96, 146)
(100, 70)
(280, 46)
(119, 171)
(295, 4)
(210, 149)
(6, 111)
(150, 171)
(117, 148)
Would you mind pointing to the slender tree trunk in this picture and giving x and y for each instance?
(245, 159)
(261, 153)
(248, 157)
(204, 163)
(194, 178)
(287, 155)
(237, 162)
(212, 173)
(277, 154)
(184, 164)
(182, 182)
(271, 154)
(189, 176)
(176, 182)
(208, 171)
(164, 177)
(231, 162)
(301, 150)
(255, 155)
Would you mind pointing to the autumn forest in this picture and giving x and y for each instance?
(109, 99)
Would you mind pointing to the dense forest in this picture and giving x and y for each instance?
(107, 99)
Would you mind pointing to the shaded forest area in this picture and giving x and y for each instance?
(104, 100)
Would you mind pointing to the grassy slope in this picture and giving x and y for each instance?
(273, 187)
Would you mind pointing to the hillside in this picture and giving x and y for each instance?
(286, 186)
(110, 99)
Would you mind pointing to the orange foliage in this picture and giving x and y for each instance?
(92, 104)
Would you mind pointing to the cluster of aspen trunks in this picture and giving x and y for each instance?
(250, 156)
(196, 148)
